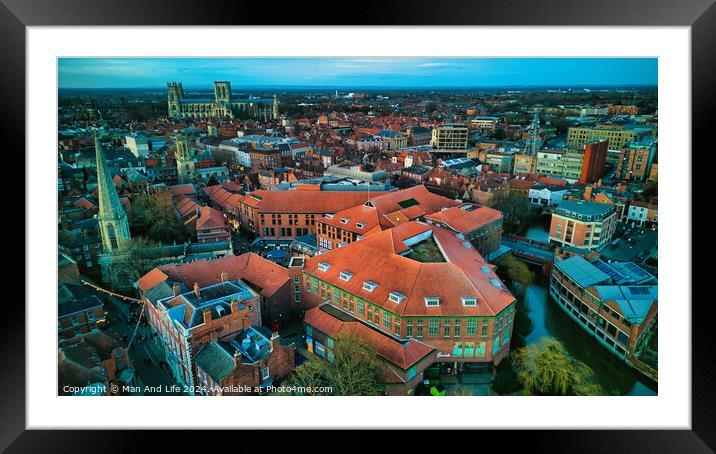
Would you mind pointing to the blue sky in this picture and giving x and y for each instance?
(355, 72)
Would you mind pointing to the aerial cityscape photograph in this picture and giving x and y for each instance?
(357, 226)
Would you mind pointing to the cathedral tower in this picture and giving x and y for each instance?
(175, 93)
(222, 91)
(113, 223)
(185, 161)
(275, 107)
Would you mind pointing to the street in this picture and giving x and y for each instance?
(144, 353)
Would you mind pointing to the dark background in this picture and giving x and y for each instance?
(16, 14)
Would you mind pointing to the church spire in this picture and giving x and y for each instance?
(112, 217)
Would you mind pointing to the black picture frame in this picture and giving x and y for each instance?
(16, 15)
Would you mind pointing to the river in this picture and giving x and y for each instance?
(548, 320)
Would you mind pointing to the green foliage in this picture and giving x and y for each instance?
(516, 209)
(546, 368)
(353, 372)
(155, 218)
(135, 259)
(516, 273)
(506, 380)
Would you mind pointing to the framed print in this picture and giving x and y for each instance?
(437, 218)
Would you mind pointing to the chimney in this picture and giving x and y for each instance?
(224, 276)
(274, 339)
(175, 289)
(197, 290)
(237, 358)
(207, 315)
(234, 306)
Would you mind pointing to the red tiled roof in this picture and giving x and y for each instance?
(378, 258)
(305, 201)
(463, 221)
(210, 218)
(404, 355)
(249, 267)
(151, 279)
(182, 189)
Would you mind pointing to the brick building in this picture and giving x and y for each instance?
(211, 226)
(381, 212)
(244, 365)
(285, 215)
(587, 226)
(595, 157)
(403, 361)
(417, 282)
(480, 225)
(79, 310)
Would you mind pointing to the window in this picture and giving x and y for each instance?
(336, 296)
(469, 301)
(369, 286)
(330, 356)
(433, 326)
(409, 328)
(329, 342)
(345, 220)
(480, 349)
(387, 319)
(323, 266)
(446, 330)
(90, 315)
(345, 275)
(457, 350)
(484, 328)
(75, 321)
(361, 307)
(265, 374)
(456, 330)
(397, 327)
(432, 301)
(420, 328)
(496, 344)
(471, 326)
(396, 297)
(411, 372)
(506, 335)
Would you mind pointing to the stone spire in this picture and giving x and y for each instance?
(275, 108)
(112, 217)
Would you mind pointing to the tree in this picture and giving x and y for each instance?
(517, 274)
(354, 371)
(506, 380)
(516, 209)
(154, 217)
(546, 368)
(135, 259)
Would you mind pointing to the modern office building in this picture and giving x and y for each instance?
(636, 159)
(617, 135)
(450, 137)
(615, 303)
(594, 160)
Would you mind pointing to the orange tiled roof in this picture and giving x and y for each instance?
(358, 214)
(378, 258)
(266, 275)
(151, 279)
(404, 355)
(305, 201)
(463, 221)
(210, 218)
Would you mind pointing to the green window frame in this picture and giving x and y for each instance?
(387, 319)
(471, 327)
(485, 324)
(457, 350)
(457, 328)
(480, 349)
(433, 326)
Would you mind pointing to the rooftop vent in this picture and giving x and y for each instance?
(346, 275)
(360, 225)
(330, 215)
(345, 220)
